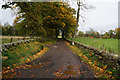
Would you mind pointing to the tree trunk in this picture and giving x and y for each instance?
(62, 34)
(57, 33)
(78, 3)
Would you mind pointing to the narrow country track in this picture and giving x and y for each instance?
(58, 62)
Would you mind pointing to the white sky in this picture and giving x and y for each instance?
(6, 15)
(103, 18)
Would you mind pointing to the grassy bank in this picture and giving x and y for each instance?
(24, 52)
(19, 56)
(100, 69)
(110, 45)
(21, 53)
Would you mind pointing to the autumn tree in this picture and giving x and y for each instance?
(111, 33)
(81, 34)
(44, 18)
(7, 29)
(117, 31)
(1, 27)
(62, 19)
(97, 35)
(106, 35)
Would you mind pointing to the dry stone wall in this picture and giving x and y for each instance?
(4, 47)
(110, 59)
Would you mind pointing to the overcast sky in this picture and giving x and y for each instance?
(6, 15)
(103, 18)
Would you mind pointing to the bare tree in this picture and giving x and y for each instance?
(81, 6)
(78, 3)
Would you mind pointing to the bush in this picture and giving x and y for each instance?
(105, 37)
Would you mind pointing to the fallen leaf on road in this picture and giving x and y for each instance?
(32, 75)
(12, 70)
(8, 67)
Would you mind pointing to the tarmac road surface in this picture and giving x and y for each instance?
(58, 62)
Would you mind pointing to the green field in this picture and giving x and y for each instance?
(110, 45)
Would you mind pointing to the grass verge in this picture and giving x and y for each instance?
(22, 54)
(101, 70)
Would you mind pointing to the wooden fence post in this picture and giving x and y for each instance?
(24, 38)
(11, 40)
